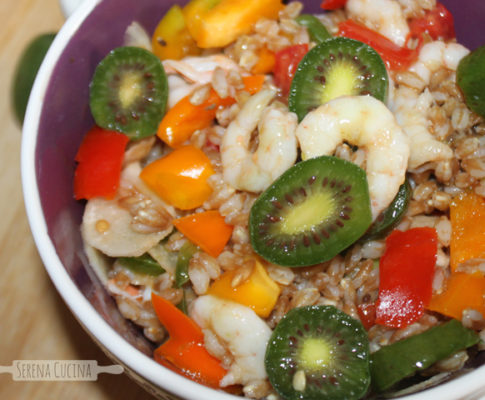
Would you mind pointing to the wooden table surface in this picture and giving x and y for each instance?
(34, 321)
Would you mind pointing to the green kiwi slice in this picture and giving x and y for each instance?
(312, 212)
(316, 353)
(129, 92)
(337, 67)
(470, 77)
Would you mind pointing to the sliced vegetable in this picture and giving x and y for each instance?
(207, 229)
(318, 32)
(333, 4)
(392, 215)
(467, 216)
(286, 63)
(266, 61)
(182, 269)
(258, 291)
(171, 39)
(470, 77)
(318, 352)
(144, 264)
(26, 71)
(183, 119)
(180, 178)
(406, 274)
(185, 348)
(437, 23)
(100, 158)
(393, 363)
(395, 57)
(216, 23)
(463, 291)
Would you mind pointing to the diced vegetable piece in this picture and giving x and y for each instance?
(207, 229)
(392, 215)
(265, 62)
(470, 77)
(406, 272)
(367, 314)
(100, 158)
(467, 215)
(185, 348)
(144, 264)
(183, 119)
(392, 363)
(171, 39)
(258, 291)
(395, 57)
(437, 23)
(216, 23)
(333, 4)
(183, 259)
(180, 178)
(286, 63)
(463, 291)
(318, 32)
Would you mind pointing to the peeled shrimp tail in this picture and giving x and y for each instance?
(277, 149)
(365, 122)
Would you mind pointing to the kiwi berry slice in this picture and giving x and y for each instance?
(337, 67)
(313, 211)
(129, 92)
(316, 353)
(470, 77)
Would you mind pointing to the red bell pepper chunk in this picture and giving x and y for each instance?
(286, 63)
(184, 351)
(333, 4)
(406, 272)
(437, 23)
(367, 314)
(395, 57)
(99, 158)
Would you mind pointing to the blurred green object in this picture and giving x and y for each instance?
(26, 72)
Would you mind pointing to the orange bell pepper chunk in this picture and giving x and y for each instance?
(265, 62)
(180, 178)
(462, 291)
(208, 230)
(467, 215)
(184, 118)
(216, 23)
(184, 351)
(258, 291)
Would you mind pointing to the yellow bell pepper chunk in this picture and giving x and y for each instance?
(217, 23)
(171, 39)
(258, 292)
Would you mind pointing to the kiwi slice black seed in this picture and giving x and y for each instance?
(129, 92)
(337, 67)
(392, 215)
(313, 211)
(470, 77)
(317, 353)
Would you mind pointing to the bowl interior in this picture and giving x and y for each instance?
(65, 117)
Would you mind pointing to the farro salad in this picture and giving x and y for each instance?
(291, 205)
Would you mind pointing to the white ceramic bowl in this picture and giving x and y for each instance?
(56, 119)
